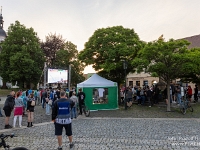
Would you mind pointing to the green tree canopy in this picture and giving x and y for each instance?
(21, 58)
(192, 72)
(68, 56)
(108, 47)
(167, 60)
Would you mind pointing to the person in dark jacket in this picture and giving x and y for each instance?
(149, 95)
(196, 90)
(8, 107)
(61, 116)
(81, 99)
(0, 111)
(129, 96)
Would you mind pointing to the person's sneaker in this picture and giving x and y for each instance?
(149, 106)
(8, 126)
(71, 145)
(59, 148)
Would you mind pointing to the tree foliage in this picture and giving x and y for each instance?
(108, 47)
(68, 56)
(167, 60)
(52, 44)
(193, 69)
(21, 58)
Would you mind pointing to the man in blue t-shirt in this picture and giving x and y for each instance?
(62, 118)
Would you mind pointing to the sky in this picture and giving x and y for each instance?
(77, 20)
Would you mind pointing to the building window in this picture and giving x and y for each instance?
(145, 82)
(130, 83)
(138, 83)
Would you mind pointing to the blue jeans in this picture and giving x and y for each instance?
(0, 112)
(171, 98)
(142, 99)
(179, 98)
(47, 108)
(73, 112)
(43, 102)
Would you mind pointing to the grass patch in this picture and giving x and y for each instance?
(5, 92)
(138, 111)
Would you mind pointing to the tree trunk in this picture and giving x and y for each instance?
(168, 96)
(4, 85)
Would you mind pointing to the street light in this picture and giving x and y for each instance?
(125, 67)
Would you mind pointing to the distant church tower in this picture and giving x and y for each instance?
(2, 37)
(2, 32)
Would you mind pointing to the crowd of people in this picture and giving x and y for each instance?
(153, 95)
(62, 103)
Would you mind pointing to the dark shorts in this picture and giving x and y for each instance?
(59, 129)
(31, 108)
(129, 99)
(7, 112)
(189, 96)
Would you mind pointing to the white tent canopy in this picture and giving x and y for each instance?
(97, 81)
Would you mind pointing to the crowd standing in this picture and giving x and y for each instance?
(62, 103)
(153, 95)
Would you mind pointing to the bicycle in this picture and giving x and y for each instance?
(3, 144)
(186, 105)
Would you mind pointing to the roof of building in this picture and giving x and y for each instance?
(194, 41)
(2, 33)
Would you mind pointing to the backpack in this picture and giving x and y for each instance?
(44, 94)
(55, 97)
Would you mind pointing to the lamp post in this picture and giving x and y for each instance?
(45, 74)
(125, 67)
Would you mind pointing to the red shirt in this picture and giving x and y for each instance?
(189, 92)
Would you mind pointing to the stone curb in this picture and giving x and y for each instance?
(105, 118)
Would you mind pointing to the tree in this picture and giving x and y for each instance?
(21, 58)
(68, 56)
(108, 47)
(167, 60)
(52, 44)
(192, 73)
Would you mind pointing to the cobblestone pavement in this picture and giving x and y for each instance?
(112, 130)
(114, 134)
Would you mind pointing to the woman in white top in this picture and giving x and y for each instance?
(18, 109)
